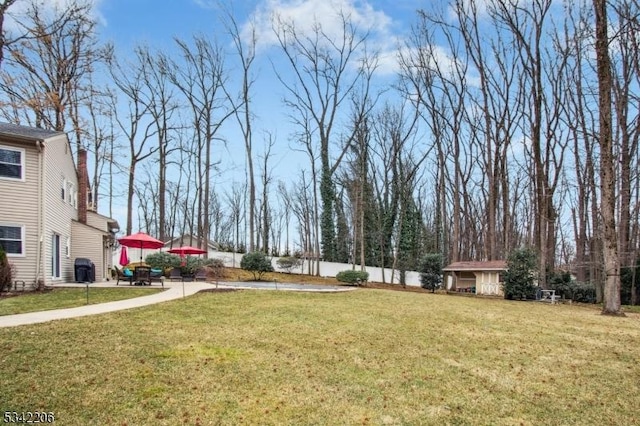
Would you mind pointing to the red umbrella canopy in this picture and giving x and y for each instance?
(141, 240)
(187, 250)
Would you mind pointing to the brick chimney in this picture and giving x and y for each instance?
(83, 185)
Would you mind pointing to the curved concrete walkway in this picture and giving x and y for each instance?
(172, 291)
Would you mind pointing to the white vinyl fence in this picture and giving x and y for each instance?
(327, 269)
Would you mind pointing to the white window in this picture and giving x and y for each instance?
(11, 163)
(70, 193)
(12, 239)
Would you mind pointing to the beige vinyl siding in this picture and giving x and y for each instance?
(97, 221)
(88, 243)
(20, 208)
(58, 213)
(101, 223)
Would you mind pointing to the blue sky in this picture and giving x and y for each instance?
(161, 20)
(129, 23)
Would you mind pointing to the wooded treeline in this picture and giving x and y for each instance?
(487, 139)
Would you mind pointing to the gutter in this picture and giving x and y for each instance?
(40, 246)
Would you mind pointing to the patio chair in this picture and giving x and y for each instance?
(156, 276)
(201, 275)
(175, 274)
(123, 275)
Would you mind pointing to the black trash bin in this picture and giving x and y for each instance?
(85, 270)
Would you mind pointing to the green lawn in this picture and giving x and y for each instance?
(363, 357)
(61, 298)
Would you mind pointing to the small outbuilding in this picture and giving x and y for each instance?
(475, 277)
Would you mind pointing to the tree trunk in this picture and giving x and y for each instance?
(612, 304)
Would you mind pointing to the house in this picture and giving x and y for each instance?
(47, 218)
(189, 240)
(479, 277)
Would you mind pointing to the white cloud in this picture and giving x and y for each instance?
(46, 8)
(388, 60)
(471, 7)
(304, 15)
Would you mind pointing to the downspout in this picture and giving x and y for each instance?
(39, 247)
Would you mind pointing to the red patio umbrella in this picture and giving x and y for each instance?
(142, 241)
(124, 257)
(187, 250)
(184, 250)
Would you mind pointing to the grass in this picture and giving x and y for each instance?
(364, 357)
(60, 298)
(237, 274)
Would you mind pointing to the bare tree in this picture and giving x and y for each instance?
(625, 78)
(242, 106)
(540, 70)
(302, 206)
(235, 203)
(323, 82)
(184, 208)
(129, 79)
(612, 302)
(161, 104)
(467, 93)
(100, 136)
(285, 204)
(4, 7)
(265, 209)
(23, 30)
(200, 78)
(217, 215)
(398, 157)
(579, 110)
(440, 93)
(355, 180)
(304, 138)
(47, 67)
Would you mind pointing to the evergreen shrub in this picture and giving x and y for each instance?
(431, 272)
(630, 283)
(353, 277)
(519, 278)
(577, 291)
(216, 267)
(257, 263)
(289, 263)
(163, 260)
(5, 272)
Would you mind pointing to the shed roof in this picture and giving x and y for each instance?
(491, 265)
(188, 239)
